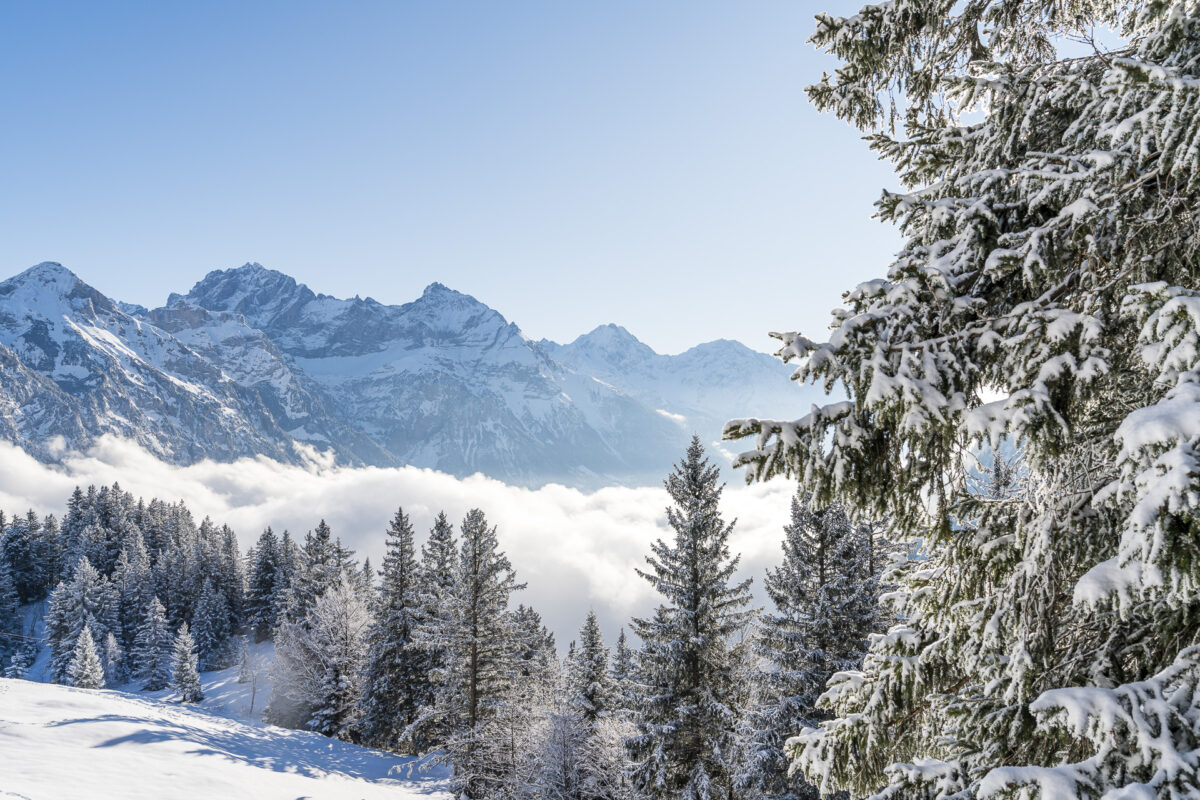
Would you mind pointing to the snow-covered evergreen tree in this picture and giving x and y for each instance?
(112, 509)
(557, 765)
(824, 597)
(51, 549)
(243, 660)
(571, 757)
(266, 582)
(20, 662)
(229, 578)
(113, 660)
(71, 534)
(186, 676)
(10, 611)
(181, 567)
(363, 581)
(685, 746)
(291, 562)
(152, 648)
(436, 576)
(1002, 478)
(322, 565)
(84, 670)
(133, 579)
(20, 546)
(511, 735)
(210, 626)
(589, 681)
(480, 669)
(607, 769)
(1047, 295)
(88, 599)
(397, 672)
(535, 655)
(319, 662)
(624, 675)
(580, 738)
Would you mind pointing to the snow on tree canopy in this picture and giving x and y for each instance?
(1047, 294)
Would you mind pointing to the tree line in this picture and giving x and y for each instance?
(429, 655)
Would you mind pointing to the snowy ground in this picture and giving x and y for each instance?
(57, 742)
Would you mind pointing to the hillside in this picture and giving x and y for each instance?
(61, 742)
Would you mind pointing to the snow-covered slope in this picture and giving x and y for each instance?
(250, 362)
(247, 356)
(59, 742)
(103, 371)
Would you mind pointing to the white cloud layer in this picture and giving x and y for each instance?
(576, 550)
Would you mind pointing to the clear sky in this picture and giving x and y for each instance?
(653, 164)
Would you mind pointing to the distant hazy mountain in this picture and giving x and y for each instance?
(249, 362)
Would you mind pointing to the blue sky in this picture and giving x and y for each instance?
(651, 164)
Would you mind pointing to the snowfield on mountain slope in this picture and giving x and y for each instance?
(59, 742)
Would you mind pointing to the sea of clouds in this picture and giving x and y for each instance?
(576, 550)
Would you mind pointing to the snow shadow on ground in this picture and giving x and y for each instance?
(296, 752)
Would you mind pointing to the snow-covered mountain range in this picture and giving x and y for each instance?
(250, 362)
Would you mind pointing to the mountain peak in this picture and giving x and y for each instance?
(445, 309)
(47, 272)
(610, 331)
(441, 290)
(254, 272)
(251, 289)
(49, 282)
(614, 341)
(721, 346)
(249, 274)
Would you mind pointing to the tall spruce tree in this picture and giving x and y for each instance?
(113, 658)
(89, 599)
(266, 581)
(133, 579)
(1046, 294)
(75, 520)
(291, 562)
(184, 667)
(590, 683)
(397, 671)
(337, 627)
(152, 648)
(52, 552)
(480, 668)
(534, 651)
(624, 675)
(210, 624)
(436, 576)
(557, 768)
(317, 671)
(322, 564)
(824, 597)
(512, 734)
(84, 671)
(10, 611)
(688, 702)
(19, 545)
